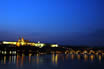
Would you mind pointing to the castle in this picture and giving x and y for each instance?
(22, 42)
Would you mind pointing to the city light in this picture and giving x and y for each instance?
(22, 42)
(54, 45)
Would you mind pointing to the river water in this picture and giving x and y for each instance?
(52, 61)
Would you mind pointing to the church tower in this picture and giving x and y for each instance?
(22, 40)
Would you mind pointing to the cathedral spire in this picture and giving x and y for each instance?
(22, 39)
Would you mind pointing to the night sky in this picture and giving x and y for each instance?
(68, 22)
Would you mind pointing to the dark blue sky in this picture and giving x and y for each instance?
(69, 22)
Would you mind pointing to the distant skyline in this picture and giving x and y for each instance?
(67, 22)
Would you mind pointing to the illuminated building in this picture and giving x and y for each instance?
(22, 42)
(54, 45)
(40, 45)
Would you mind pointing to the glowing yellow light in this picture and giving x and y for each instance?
(92, 57)
(18, 44)
(23, 43)
(10, 52)
(4, 52)
(54, 45)
(22, 40)
(13, 43)
(85, 52)
(40, 45)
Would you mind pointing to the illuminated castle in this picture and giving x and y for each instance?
(22, 42)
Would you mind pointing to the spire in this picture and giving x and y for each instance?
(19, 39)
(22, 39)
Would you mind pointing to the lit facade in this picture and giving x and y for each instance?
(22, 42)
(54, 45)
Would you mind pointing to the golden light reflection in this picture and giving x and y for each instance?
(66, 57)
(30, 58)
(56, 58)
(37, 58)
(85, 57)
(22, 60)
(92, 57)
(99, 57)
(17, 61)
(72, 56)
(4, 59)
(10, 59)
(53, 58)
(78, 57)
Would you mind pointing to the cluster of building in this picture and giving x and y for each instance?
(22, 42)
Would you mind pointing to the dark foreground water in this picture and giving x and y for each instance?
(52, 61)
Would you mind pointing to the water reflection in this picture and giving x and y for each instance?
(30, 58)
(72, 56)
(92, 57)
(100, 58)
(22, 60)
(78, 57)
(66, 57)
(4, 59)
(54, 59)
(17, 61)
(85, 57)
(37, 58)
(10, 57)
